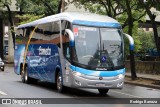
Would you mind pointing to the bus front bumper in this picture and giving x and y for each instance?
(85, 81)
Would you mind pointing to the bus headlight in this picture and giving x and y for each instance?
(77, 73)
(121, 76)
(2, 63)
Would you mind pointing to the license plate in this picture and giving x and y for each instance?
(100, 84)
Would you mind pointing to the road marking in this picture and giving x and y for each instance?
(127, 94)
(2, 93)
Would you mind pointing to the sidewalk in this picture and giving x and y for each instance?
(146, 80)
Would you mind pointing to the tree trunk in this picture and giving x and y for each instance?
(59, 6)
(11, 24)
(154, 25)
(1, 38)
(155, 31)
(130, 27)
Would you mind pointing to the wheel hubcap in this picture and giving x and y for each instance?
(26, 77)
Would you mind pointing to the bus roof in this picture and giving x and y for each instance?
(87, 19)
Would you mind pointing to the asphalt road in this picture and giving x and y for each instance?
(12, 87)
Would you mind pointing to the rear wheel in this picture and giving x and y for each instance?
(103, 91)
(59, 83)
(22, 75)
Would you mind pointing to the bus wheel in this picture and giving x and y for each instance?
(27, 79)
(22, 75)
(59, 83)
(103, 91)
(2, 69)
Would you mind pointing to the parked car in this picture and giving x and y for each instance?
(1, 65)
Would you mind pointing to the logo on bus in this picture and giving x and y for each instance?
(44, 51)
(100, 78)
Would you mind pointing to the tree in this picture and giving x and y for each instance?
(147, 6)
(1, 37)
(147, 40)
(134, 14)
(38, 7)
(7, 3)
(133, 11)
(31, 10)
(104, 7)
(34, 8)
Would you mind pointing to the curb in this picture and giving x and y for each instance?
(143, 85)
(143, 79)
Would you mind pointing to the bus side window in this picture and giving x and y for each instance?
(67, 52)
(68, 25)
(66, 48)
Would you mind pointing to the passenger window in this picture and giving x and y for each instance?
(68, 53)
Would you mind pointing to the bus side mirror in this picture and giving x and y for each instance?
(71, 37)
(131, 41)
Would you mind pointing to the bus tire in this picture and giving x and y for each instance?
(27, 79)
(59, 83)
(2, 69)
(22, 75)
(103, 91)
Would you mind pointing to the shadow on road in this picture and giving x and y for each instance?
(69, 92)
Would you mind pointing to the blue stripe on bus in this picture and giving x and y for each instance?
(97, 24)
(98, 73)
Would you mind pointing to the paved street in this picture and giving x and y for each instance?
(12, 87)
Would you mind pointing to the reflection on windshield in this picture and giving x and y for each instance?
(112, 43)
(98, 47)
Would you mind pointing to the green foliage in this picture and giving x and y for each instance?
(35, 9)
(104, 7)
(38, 7)
(147, 40)
(26, 18)
(2, 2)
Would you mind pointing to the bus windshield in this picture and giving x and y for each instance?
(98, 47)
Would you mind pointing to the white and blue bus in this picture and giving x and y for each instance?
(79, 50)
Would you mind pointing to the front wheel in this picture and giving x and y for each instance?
(2, 69)
(103, 91)
(59, 83)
